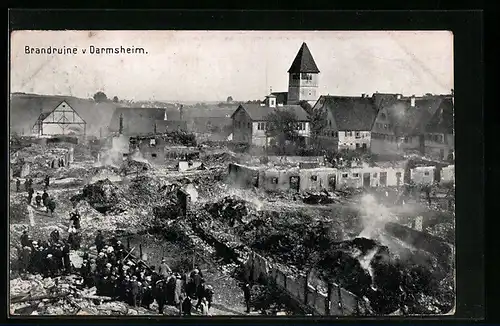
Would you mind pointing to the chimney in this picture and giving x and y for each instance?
(120, 131)
(398, 96)
(412, 101)
(363, 95)
(165, 115)
(181, 111)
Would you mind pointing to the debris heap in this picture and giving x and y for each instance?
(101, 195)
(63, 295)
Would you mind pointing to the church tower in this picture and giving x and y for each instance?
(303, 78)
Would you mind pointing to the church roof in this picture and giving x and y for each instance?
(256, 112)
(304, 61)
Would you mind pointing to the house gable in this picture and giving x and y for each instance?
(63, 114)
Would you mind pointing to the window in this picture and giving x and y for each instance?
(314, 178)
(306, 76)
(295, 76)
(336, 134)
(329, 123)
(357, 145)
(382, 115)
(375, 175)
(153, 154)
(406, 140)
(426, 173)
(344, 175)
(249, 125)
(355, 175)
(385, 126)
(152, 142)
(274, 181)
(358, 135)
(364, 146)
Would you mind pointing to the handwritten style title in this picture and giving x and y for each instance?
(90, 50)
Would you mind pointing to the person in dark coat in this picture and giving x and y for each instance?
(45, 197)
(187, 306)
(66, 258)
(99, 241)
(25, 259)
(147, 296)
(47, 181)
(18, 185)
(30, 194)
(25, 239)
(75, 218)
(170, 290)
(159, 293)
(55, 236)
(209, 295)
(200, 293)
(26, 185)
(38, 200)
(51, 205)
(247, 295)
(134, 291)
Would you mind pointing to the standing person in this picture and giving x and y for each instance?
(26, 185)
(204, 307)
(99, 241)
(187, 306)
(25, 239)
(47, 181)
(428, 194)
(45, 197)
(178, 290)
(247, 294)
(75, 218)
(18, 185)
(165, 270)
(38, 199)
(159, 293)
(51, 205)
(30, 194)
(209, 295)
(25, 259)
(66, 258)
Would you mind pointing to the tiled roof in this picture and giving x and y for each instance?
(304, 61)
(409, 120)
(260, 113)
(170, 125)
(351, 113)
(442, 120)
(136, 121)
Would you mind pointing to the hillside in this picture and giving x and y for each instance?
(26, 108)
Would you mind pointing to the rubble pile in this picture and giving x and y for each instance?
(101, 195)
(63, 295)
(134, 166)
(220, 158)
(231, 210)
(445, 231)
(321, 198)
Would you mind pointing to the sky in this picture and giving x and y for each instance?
(212, 65)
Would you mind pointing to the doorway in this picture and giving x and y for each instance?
(366, 180)
(332, 180)
(383, 179)
(295, 183)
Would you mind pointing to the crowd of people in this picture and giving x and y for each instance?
(116, 274)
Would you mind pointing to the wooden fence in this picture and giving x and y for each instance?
(336, 302)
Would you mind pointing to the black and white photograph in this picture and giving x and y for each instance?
(239, 173)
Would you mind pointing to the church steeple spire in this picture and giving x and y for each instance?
(304, 61)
